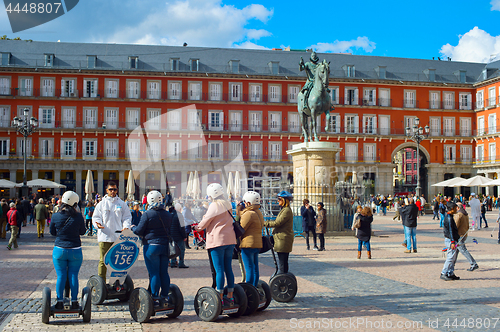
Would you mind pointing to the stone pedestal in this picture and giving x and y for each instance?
(314, 176)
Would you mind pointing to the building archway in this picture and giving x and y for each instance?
(404, 159)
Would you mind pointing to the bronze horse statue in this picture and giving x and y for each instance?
(318, 102)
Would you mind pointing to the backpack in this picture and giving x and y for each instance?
(90, 212)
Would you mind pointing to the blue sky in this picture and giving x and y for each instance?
(462, 30)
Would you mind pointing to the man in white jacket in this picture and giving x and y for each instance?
(110, 215)
(475, 210)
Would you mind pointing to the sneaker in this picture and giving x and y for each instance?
(414, 250)
(59, 305)
(498, 242)
(445, 277)
(403, 244)
(486, 226)
(173, 265)
(472, 268)
(315, 248)
(454, 277)
(308, 248)
(407, 251)
(42, 234)
(321, 249)
(228, 302)
(10, 248)
(183, 266)
(75, 305)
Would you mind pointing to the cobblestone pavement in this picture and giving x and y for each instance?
(394, 291)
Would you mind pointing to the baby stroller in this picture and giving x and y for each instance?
(198, 238)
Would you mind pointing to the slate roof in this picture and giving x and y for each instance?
(251, 62)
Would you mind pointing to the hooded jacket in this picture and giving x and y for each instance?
(114, 215)
(252, 221)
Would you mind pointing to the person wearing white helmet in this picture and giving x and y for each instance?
(110, 215)
(221, 240)
(252, 221)
(154, 229)
(67, 225)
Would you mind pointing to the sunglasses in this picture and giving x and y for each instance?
(113, 189)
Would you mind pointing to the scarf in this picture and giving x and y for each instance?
(156, 206)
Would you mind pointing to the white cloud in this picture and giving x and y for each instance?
(495, 5)
(475, 46)
(196, 22)
(343, 46)
(250, 45)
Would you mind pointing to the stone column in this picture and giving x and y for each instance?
(13, 191)
(142, 184)
(184, 180)
(78, 183)
(121, 184)
(100, 182)
(57, 179)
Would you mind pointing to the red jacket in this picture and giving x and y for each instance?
(418, 204)
(12, 216)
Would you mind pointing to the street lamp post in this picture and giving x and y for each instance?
(417, 134)
(25, 126)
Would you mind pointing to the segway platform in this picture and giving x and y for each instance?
(142, 307)
(48, 311)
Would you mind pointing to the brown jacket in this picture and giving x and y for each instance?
(252, 221)
(462, 222)
(321, 221)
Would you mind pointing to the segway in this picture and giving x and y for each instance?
(48, 311)
(208, 304)
(142, 307)
(283, 286)
(119, 260)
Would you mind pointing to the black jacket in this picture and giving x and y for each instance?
(409, 215)
(308, 218)
(450, 228)
(152, 229)
(67, 229)
(436, 206)
(365, 228)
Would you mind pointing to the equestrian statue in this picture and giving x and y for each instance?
(314, 97)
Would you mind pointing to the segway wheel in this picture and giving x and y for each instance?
(129, 286)
(86, 305)
(240, 298)
(46, 305)
(264, 287)
(253, 298)
(98, 289)
(176, 295)
(283, 287)
(207, 304)
(141, 305)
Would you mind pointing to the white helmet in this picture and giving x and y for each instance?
(154, 196)
(251, 197)
(215, 190)
(70, 198)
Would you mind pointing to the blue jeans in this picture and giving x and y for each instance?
(182, 246)
(410, 237)
(378, 209)
(156, 259)
(365, 243)
(250, 257)
(67, 263)
(441, 219)
(463, 250)
(384, 210)
(436, 215)
(451, 259)
(221, 258)
(481, 218)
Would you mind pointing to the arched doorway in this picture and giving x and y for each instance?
(405, 172)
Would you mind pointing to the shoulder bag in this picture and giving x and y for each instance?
(173, 248)
(238, 230)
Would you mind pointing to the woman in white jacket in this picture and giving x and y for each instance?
(110, 215)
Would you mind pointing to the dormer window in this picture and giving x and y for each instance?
(349, 70)
(6, 58)
(234, 66)
(133, 61)
(274, 66)
(174, 64)
(49, 60)
(91, 61)
(463, 76)
(431, 74)
(381, 71)
(195, 64)
(484, 75)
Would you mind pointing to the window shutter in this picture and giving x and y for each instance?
(337, 124)
(374, 121)
(356, 97)
(346, 96)
(53, 118)
(356, 123)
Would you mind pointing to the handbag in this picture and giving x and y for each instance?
(267, 243)
(238, 229)
(173, 248)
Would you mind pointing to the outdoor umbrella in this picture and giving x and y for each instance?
(475, 181)
(354, 178)
(229, 185)
(189, 186)
(237, 184)
(89, 185)
(449, 182)
(130, 186)
(41, 183)
(7, 184)
(196, 185)
(491, 183)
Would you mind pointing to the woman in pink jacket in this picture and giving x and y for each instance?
(221, 240)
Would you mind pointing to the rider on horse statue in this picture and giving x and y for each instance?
(310, 68)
